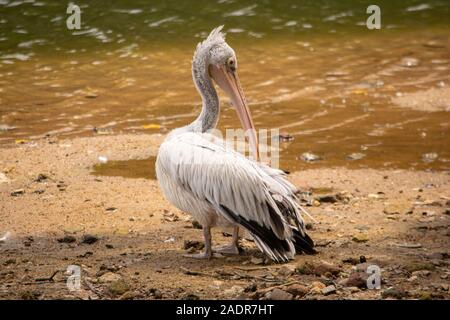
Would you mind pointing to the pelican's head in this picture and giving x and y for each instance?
(221, 63)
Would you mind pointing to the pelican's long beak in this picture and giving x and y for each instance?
(228, 81)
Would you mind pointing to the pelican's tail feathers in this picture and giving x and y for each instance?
(279, 250)
(302, 242)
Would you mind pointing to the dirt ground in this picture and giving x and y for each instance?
(129, 241)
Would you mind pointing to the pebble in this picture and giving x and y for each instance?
(318, 269)
(256, 260)
(17, 192)
(297, 290)
(118, 288)
(155, 293)
(393, 293)
(234, 291)
(286, 270)
(191, 296)
(356, 279)
(3, 178)
(361, 238)
(399, 207)
(278, 294)
(310, 157)
(329, 290)
(41, 177)
(67, 239)
(89, 239)
(109, 277)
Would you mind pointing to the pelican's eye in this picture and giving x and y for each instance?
(231, 64)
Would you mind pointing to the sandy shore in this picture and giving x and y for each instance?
(49, 201)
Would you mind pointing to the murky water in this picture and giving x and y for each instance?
(142, 168)
(310, 68)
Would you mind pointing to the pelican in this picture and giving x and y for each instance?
(220, 187)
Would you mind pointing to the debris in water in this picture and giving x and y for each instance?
(310, 157)
(151, 126)
(429, 157)
(409, 62)
(356, 156)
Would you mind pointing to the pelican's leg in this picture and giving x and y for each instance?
(207, 254)
(232, 248)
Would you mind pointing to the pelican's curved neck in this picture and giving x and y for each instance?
(210, 102)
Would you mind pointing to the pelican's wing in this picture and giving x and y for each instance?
(249, 194)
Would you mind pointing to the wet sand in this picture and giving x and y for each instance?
(396, 219)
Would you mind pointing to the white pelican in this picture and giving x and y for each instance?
(218, 186)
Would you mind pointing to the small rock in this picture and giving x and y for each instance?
(278, 294)
(155, 293)
(361, 238)
(109, 277)
(111, 209)
(328, 198)
(286, 270)
(329, 290)
(318, 269)
(357, 279)
(256, 260)
(118, 287)
(3, 178)
(310, 157)
(393, 293)
(17, 192)
(89, 239)
(67, 239)
(191, 296)
(129, 295)
(170, 216)
(351, 260)
(197, 245)
(425, 296)
(297, 290)
(41, 177)
(251, 288)
(399, 207)
(233, 291)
